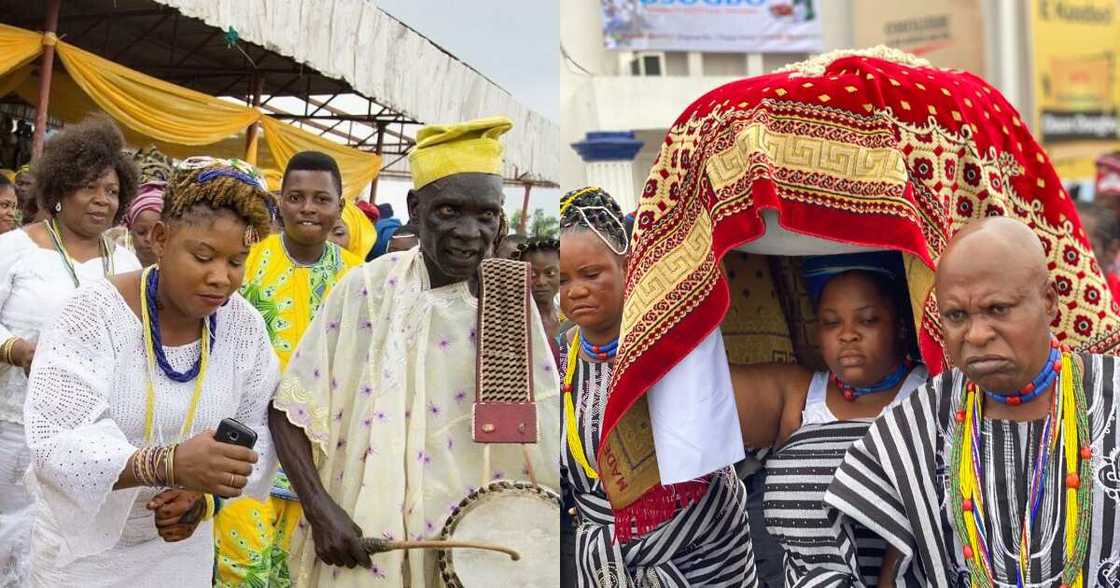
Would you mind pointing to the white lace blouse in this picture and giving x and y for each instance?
(34, 284)
(84, 417)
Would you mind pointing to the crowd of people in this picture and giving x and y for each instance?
(989, 463)
(144, 301)
(917, 411)
(850, 493)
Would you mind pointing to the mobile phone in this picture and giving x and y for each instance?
(233, 432)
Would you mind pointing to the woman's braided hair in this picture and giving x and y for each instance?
(536, 245)
(153, 165)
(592, 209)
(219, 184)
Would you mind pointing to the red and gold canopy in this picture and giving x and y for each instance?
(875, 149)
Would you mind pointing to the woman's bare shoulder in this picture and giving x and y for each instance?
(778, 372)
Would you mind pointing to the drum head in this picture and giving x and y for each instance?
(516, 515)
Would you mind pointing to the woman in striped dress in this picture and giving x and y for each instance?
(706, 543)
(812, 418)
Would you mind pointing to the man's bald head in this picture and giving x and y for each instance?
(1001, 242)
(997, 302)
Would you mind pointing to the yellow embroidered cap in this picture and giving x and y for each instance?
(444, 150)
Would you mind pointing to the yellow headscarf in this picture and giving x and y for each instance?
(362, 233)
(444, 150)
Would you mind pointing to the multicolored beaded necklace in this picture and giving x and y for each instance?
(575, 445)
(890, 381)
(1066, 429)
(149, 315)
(55, 234)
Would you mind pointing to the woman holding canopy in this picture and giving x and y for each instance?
(705, 544)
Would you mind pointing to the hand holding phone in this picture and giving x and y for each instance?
(217, 462)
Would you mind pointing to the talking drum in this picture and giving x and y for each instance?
(517, 515)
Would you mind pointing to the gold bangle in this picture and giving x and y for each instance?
(146, 470)
(171, 466)
(136, 465)
(209, 513)
(139, 465)
(140, 459)
(6, 350)
(151, 457)
(161, 466)
(11, 349)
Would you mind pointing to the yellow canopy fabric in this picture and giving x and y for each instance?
(152, 106)
(70, 105)
(358, 167)
(14, 81)
(154, 112)
(18, 47)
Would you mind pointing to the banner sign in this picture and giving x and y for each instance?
(1076, 81)
(732, 26)
(949, 33)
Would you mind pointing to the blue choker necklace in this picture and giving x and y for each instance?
(161, 358)
(852, 392)
(1042, 382)
(600, 352)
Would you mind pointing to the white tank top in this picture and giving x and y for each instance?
(816, 409)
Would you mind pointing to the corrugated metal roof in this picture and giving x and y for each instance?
(381, 58)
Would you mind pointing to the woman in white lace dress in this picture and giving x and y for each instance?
(86, 183)
(127, 386)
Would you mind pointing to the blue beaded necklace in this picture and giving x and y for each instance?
(1041, 383)
(890, 381)
(161, 357)
(600, 352)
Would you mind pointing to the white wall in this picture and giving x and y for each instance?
(609, 101)
(596, 95)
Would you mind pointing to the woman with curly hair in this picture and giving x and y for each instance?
(85, 182)
(132, 377)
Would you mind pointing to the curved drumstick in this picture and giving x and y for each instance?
(373, 545)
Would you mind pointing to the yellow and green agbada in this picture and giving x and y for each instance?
(252, 537)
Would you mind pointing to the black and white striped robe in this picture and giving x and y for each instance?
(819, 549)
(895, 482)
(705, 544)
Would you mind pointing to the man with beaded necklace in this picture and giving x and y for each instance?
(1001, 471)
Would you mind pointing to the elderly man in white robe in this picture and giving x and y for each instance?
(373, 419)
